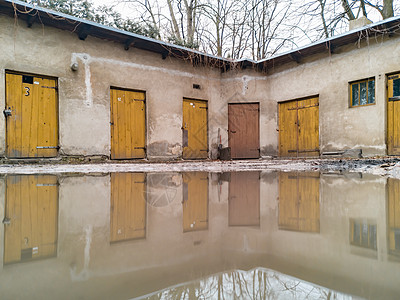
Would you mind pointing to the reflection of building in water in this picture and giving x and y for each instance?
(244, 199)
(128, 206)
(393, 217)
(299, 202)
(31, 217)
(195, 201)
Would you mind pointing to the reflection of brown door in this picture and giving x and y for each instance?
(299, 128)
(32, 121)
(244, 199)
(393, 218)
(128, 206)
(243, 130)
(31, 217)
(299, 201)
(195, 201)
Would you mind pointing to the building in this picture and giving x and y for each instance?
(74, 87)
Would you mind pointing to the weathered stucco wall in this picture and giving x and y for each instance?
(84, 95)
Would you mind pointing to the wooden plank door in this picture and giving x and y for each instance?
(195, 201)
(244, 199)
(393, 216)
(32, 116)
(299, 128)
(128, 206)
(288, 132)
(393, 115)
(299, 202)
(31, 229)
(194, 129)
(128, 124)
(243, 130)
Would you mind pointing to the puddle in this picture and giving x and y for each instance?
(188, 235)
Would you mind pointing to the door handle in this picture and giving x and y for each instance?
(233, 131)
(7, 112)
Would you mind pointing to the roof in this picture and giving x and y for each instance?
(33, 14)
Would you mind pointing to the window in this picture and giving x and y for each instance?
(362, 92)
(363, 234)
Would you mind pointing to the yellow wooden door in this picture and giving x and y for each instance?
(31, 227)
(393, 115)
(128, 206)
(299, 128)
(308, 127)
(195, 201)
(244, 199)
(299, 202)
(393, 216)
(128, 124)
(288, 133)
(32, 116)
(194, 129)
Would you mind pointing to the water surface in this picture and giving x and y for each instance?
(260, 235)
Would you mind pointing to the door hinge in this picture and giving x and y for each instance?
(144, 148)
(48, 147)
(50, 87)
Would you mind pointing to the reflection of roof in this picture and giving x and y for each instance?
(84, 28)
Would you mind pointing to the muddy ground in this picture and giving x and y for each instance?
(383, 166)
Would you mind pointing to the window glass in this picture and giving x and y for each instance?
(356, 233)
(363, 93)
(396, 87)
(354, 92)
(372, 237)
(371, 91)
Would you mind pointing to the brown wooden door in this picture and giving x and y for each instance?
(128, 124)
(32, 118)
(243, 130)
(393, 216)
(194, 129)
(244, 199)
(299, 202)
(393, 117)
(195, 201)
(128, 206)
(31, 227)
(299, 128)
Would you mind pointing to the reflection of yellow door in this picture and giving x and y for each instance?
(195, 201)
(299, 201)
(393, 117)
(31, 217)
(128, 119)
(244, 199)
(299, 128)
(32, 120)
(128, 206)
(194, 129)
(393, 218)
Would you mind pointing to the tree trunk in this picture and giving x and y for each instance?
(347, 9)
(387, 10)
(175, 26)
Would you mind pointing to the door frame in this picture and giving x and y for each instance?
(208, 131)
(258, 121)
(8, 71)
(145, 118)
